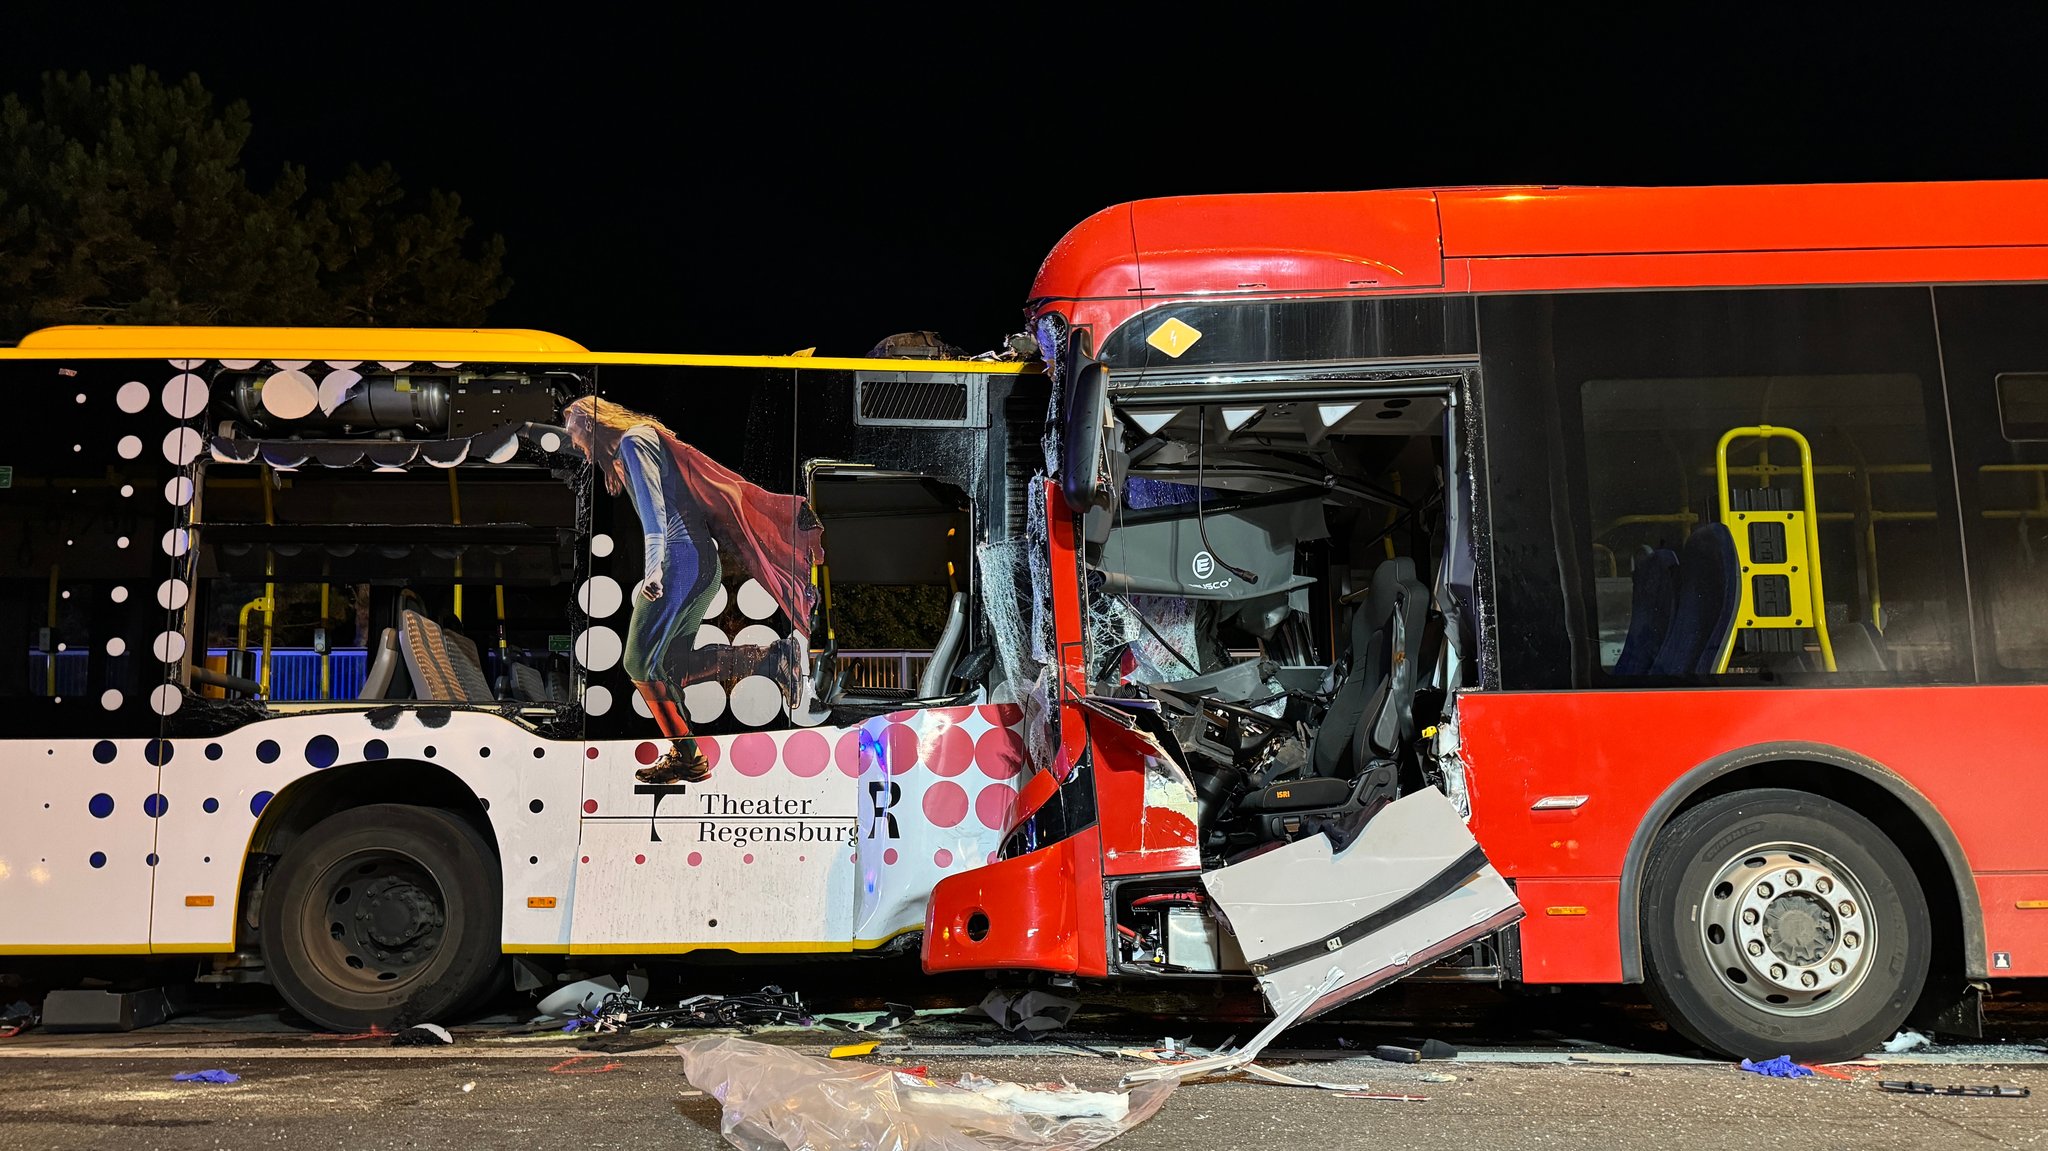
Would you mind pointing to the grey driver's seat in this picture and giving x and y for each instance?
(1354, 757)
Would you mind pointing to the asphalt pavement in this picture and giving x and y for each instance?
(1579, 1072)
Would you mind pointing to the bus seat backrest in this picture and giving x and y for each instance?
(1359, 710)
(469, 667)
(528, 685)
(384, 660)
(1704, 605)
(1859, 648)
(427, 659)
(1652, 602)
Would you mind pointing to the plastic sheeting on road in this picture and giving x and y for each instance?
(778, 1100)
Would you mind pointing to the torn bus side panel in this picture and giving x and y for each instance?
(1320, 926)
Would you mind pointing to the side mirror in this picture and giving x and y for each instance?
(1081, 439)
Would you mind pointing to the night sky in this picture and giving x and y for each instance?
(762, 183)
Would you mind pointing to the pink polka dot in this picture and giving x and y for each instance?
(847, 753)
(639, 859)
(590, 807)
(590, 753)
(645, 753)
(889, 857)
(1002, 714)
(805, 753)
(712, 750)
(586, 859)
(999, 753)
(945, 803)
(695, 858)
(902, 746)
(991, 857)
(753, 753)
(942, 857)
(994, 806)
(952, 753)
(747, 858)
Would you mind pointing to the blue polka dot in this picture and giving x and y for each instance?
(322, 751)
(258, 801)
(375, 749)
(155, 806)
(213, 751)
(98, 859)
(211, 805)
(267, 751)
(102, 805)
(104, 751)
(158, 752)
(150, 859)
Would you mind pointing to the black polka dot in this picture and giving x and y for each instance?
(430, 751)
(484, 803)
(539, 751)
(535, 806)
(533, 859)
(484, 752)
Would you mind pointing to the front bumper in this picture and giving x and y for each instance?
(1041, 911)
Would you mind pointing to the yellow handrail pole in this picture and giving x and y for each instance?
(269, 586)
(455, 517)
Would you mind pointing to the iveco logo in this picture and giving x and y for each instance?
(1204, 565)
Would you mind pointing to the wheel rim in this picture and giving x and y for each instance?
(376, 921)
(1788, 929)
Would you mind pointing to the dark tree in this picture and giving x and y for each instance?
(125, 202)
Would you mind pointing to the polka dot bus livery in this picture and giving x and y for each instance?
(372, 659)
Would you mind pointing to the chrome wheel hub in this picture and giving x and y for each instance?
(1787, 929)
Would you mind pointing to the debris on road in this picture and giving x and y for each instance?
(423, 1035)
(625, 1010)
(1391, 1098)
(774, 1099)
(469, 1087)
(1389, 1053)
(1029, 1012)
(16, 1018)
(1993, 1091)
(587, 996)
(1781, 1067)
(854, 1050)
(1906, 1040)
(215, 1075)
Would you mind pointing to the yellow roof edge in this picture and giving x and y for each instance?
(448, 345)
(265, 343)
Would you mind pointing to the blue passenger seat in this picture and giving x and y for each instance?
(1651, 605)
(1703, 605)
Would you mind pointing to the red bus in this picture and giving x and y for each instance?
(1683, 539)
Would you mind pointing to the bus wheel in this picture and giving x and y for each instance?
(1782, 923)
(384, 915)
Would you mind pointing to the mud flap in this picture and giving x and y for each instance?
(1322, 927)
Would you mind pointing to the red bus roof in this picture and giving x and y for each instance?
(1551, 239)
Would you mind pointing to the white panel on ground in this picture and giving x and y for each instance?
(1411, 889)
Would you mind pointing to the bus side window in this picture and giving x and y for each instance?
(897, 556)
(1996, 359)
(1764, 487)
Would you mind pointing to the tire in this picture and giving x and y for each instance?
(385, 915)
(1778, 922)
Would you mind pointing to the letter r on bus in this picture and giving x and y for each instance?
(876, 793)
